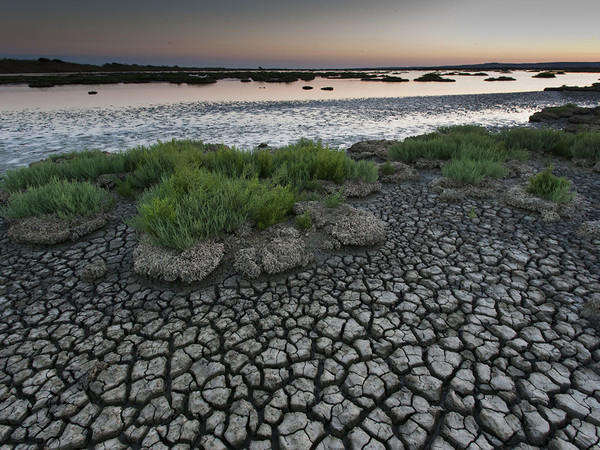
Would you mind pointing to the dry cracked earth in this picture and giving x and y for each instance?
(458, 332)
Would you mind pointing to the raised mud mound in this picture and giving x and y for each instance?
(402, 172)
(4, 196)
(187, 266)
(428, 164)
(352, 188)
(94, 270)
(591, 310)
(572, 119)
(48, 231)
(453, 191)
(281, 249)
(518, 197)
(370, 149)
(587, 163)
(344, 225)
(590, 228)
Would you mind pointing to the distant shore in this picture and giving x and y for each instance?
(45, 72)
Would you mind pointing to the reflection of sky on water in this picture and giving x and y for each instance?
(30, 135)
(16, 98)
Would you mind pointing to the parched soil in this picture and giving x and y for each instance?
(473, 324)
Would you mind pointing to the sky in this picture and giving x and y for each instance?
(301, 33)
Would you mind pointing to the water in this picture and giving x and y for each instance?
(35, 123)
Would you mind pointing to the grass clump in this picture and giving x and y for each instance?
(304, 220)
(190, 190)
(550, 187)
(64, 198)
(567, 108)
(194, 204)
(366, 171)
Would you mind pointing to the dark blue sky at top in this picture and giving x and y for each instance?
(326, 33)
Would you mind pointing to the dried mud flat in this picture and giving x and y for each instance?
(473, 325)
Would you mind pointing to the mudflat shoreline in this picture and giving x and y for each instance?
(470, 324)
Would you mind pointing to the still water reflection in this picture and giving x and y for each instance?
(17, 98)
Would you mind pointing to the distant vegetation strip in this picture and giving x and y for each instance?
(45, 72)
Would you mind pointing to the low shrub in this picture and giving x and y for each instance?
(65, 199)
(79, 166)
(386, 168)
(550, 141)
(586, 145)
(445, 143)
(334, 199)
(272, 204)
(304, 220)
(550, 187)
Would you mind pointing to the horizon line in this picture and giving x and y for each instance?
(573, 64)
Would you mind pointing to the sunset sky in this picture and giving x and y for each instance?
(302, 34)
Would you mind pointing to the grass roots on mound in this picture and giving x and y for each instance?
(65, 199)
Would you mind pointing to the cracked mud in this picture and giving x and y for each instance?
(456, 332)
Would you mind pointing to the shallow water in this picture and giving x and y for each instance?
(38, 122)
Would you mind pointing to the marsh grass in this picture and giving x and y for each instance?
(586, 145)
(473, 152)
(470, 148)
(65, 199)
(445, 143)
(554, 142)
(550, 187)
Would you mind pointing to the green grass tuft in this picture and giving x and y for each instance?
(550, 187)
